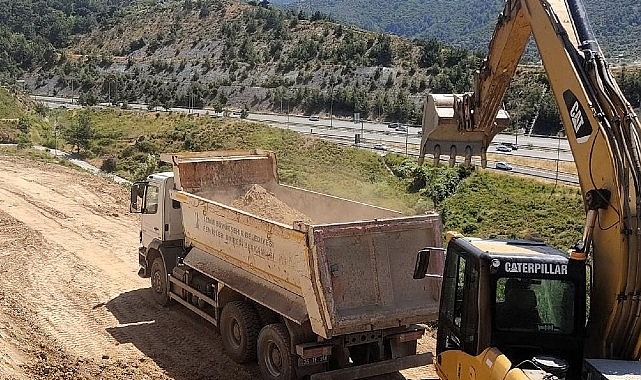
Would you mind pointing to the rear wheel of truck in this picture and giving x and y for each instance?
(274, 357)
(239, 325)
(159, 288)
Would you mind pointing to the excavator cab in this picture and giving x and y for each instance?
(525, 298)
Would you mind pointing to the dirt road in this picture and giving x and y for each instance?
(71, 303)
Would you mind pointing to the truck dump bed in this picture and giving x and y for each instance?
(344, 265)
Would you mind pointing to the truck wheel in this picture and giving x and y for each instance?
(159, 288)
(274, 357)
(239, 330)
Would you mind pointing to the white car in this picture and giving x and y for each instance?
(503, 148)
(401, 128)
(503, 166)
(380, 146)
(314, 118)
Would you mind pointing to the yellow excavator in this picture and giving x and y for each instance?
(519, 309)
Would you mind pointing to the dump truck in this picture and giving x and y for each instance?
(306, 283)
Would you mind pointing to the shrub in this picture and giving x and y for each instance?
(109, 163)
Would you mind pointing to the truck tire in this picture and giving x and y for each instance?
(239, 326)
(274, 357)
(159, 281)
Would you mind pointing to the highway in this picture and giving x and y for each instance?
(373, 134)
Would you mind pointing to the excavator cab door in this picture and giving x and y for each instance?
(458, 312)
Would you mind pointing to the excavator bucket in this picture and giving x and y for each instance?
(449, 128)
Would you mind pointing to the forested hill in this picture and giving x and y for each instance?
(225, 54)
(469, 23)
(31, 31)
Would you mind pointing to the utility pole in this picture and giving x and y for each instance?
(406, 133)
(331, 108)
(55, 138)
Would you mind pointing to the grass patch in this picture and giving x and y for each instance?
(303, 161)
(500, 206)
(9, 107)
(536, 163)
(476, 203)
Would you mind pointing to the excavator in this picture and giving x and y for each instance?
(519, 309)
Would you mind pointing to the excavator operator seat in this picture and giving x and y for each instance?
(519, 310)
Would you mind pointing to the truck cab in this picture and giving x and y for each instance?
(525, 298)
(161, 219)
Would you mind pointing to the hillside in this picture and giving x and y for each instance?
(241, 56)
(469, 23)
(19, 117)
(229, 55)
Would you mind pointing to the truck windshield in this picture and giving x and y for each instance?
(537, 305)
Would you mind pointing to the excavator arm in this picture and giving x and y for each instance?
(603, 133)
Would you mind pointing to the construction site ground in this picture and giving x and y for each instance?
(71, 303)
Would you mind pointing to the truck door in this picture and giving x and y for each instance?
(458, 312)
(145, 200)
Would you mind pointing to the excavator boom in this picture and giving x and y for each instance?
(604, 135)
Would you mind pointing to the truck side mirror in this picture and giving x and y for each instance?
(137, 197)
(422, 262)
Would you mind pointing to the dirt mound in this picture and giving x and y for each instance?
(258, 201)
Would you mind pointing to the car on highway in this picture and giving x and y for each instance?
(314, 118)
(380, 147)
(401, 128)
(503, 148)
(503, 166)
(393, 125)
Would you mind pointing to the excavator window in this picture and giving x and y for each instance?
(536, 305)
(459, 310)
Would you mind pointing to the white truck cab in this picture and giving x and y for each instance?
(161, 219)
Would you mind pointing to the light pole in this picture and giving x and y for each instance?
(55, 139)
(406, 133)
(331, 108)
(71, 90)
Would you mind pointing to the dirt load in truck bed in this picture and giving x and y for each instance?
(260, 202)
(71, 303)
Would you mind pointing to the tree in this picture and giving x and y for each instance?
(430, 53)
(382, 51)
(79, 134)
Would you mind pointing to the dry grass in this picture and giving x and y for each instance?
(536, 163)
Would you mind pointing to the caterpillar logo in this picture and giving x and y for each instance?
(580, 124)
(536, 268)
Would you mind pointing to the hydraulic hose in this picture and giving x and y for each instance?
(582, 26)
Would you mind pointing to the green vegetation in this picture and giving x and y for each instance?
(470, 23)
(223, 54)
(18, 123)
(129, 143)
(485, 204)
(474, 202)
(231, 55)
(494, 205)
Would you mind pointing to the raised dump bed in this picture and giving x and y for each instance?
(344, 265)
(307, 283)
